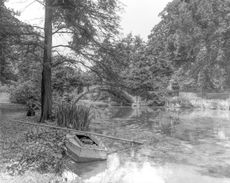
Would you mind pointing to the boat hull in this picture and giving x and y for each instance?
(80, 152)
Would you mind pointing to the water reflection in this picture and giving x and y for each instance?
(86, 170)
(127, 172)
(192, 146)
(221, 133)
(4, 98)
(10, 113)
(149, 172)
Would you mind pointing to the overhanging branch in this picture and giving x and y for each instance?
(63, 46)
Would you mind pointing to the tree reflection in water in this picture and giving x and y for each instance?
(127, 172)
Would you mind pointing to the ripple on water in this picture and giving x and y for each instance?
(190, 143)
(191, 147)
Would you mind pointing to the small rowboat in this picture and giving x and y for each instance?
(85, 148)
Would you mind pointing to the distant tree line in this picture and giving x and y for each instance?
(194, 36)
(190, 45)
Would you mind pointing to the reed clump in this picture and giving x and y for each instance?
(73, 116)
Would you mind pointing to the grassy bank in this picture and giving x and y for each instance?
(30, 154)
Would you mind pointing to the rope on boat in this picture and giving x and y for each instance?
(78, 131)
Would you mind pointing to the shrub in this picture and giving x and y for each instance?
(22, 92)
(73, 116)
(4, 88)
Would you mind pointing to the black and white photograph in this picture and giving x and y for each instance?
(114, 91)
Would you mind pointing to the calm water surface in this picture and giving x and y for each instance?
(180, 147)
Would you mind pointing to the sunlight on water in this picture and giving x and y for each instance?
(146, 174)
(129, 172)
(221, 134)
(69, 176)
(193, 147)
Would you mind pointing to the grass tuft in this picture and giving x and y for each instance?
(73, 116)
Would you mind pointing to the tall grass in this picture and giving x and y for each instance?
(73, 116)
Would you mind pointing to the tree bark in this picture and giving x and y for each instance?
(46, 89)
(2, 64)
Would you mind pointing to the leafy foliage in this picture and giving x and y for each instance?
(147, 74)
(6, 17)
(17, 41)
(193, 35)
(88, 22)
(131, 66)
(66, 79)
(24, 91)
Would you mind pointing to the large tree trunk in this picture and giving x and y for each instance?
(3, 63)
(46, 90)
(227, 82)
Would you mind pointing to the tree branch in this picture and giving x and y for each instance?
(62, 32)
(64, 46)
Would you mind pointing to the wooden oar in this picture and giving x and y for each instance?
(78, 131)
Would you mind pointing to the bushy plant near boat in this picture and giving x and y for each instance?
(24, 91)
(73, 116)
(4, 88)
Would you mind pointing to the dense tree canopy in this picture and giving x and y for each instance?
(88, 22)
(131, 66)
(194, 36)
(6, 42)
(19, 45)
(190, 45)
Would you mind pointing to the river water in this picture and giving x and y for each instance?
(181, 146)
(186, 146)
